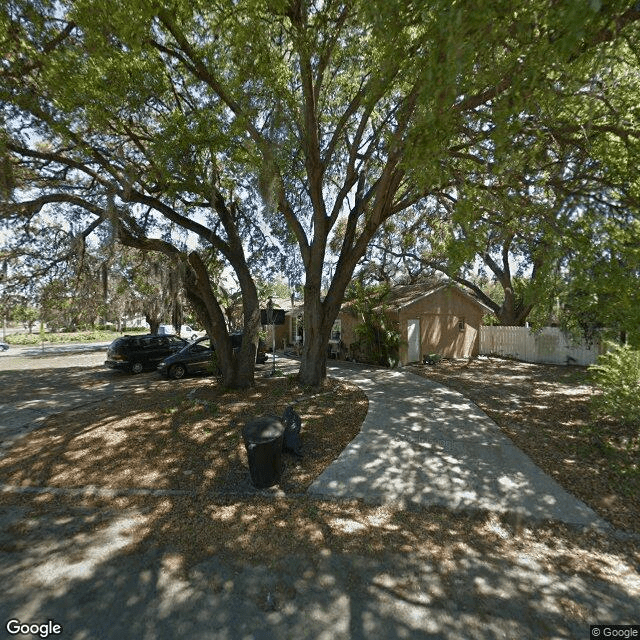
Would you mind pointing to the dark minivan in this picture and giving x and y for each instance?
(137, 353)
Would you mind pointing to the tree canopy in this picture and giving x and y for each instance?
(291, 127)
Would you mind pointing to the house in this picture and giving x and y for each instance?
(294, 325)
(436, 318)
(431, 319)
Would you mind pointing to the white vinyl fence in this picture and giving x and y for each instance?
(549, 345)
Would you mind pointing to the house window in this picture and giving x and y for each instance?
(336, 331)
(461, 325)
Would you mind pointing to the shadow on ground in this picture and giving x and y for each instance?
(546, 411)
(142, 432)
(422, 443)
(183, 568)
(198, 566)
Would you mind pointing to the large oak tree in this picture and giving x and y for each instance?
(341, 115)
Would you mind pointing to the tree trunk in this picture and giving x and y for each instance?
(251, 326)
(237, 368)
(513, 312)
(319, 317)
(177, 316)
(313, 367)
(154, 323)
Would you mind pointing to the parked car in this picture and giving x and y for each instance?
(185, 330)
(137, 353)
(4, 346)
(194, 358)
(198, 357)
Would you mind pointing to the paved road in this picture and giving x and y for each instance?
(19, 358)
(34, 389)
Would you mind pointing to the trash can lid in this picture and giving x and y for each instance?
(263, 429)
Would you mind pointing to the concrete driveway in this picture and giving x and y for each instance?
(424, 444)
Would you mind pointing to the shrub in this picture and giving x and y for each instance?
(378, 341)
(23, 339)
(378, 336)
(617, 375)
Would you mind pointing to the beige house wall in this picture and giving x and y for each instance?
(281, 331)
(349, 323)
(291, 326)
(440, 315)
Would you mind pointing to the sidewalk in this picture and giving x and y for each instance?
(424, 444)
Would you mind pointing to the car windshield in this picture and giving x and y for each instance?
(204, 344)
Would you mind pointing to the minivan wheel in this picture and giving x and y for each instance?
(136, 367)
(177, 371)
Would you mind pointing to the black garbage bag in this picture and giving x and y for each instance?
(292, 426)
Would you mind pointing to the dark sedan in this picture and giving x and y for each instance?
(194, 358)
(137, 353)
(199, 358)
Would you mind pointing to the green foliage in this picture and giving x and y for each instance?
(378, 336)
(68, 337)
(617, 375)
(602, 297)
(321, 110)
(27, 315)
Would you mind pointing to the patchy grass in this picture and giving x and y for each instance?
(90, 335)
(545, 410)
(185, 435)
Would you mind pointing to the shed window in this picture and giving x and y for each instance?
(336, 331)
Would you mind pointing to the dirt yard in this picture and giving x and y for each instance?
(544, 409)
(172, 435)
(280, 563)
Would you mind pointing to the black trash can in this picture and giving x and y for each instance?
(263, 438)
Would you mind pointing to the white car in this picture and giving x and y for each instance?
(185, 331)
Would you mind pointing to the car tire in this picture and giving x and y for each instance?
(177, 371)
(136, 367)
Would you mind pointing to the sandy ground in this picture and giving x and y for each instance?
(266, 565)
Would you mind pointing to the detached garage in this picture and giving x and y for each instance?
(444, 320)
(440, 319)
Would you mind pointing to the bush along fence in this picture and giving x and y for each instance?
(549, 345)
